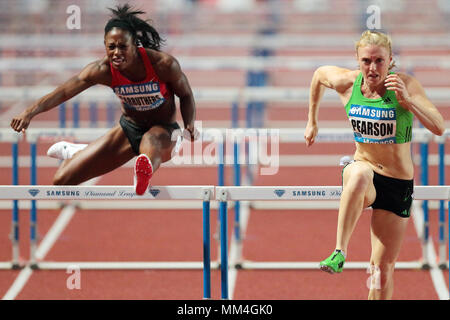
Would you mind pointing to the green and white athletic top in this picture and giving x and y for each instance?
(381, 120)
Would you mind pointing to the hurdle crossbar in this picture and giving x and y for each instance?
(293, 193)
(238, 193)
(50, 192)
(34, 192)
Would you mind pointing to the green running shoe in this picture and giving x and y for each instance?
(334, 263)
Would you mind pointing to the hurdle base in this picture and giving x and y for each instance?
(10, 265)
(238, 266)
(122, 265)
(34, 266)
(443, 266)
(425, 266)
(6, 265)
(315, 265)
(16, 266)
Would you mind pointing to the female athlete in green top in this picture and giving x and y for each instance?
(380, 106)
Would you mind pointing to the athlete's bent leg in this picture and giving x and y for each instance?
(358, 192)
(155, 148)
(101, 156)
(387, 233)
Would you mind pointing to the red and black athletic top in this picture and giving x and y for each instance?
(143, 95)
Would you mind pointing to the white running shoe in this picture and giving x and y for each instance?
(64, 150)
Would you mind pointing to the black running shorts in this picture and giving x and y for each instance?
(393, 194)
(134, 133)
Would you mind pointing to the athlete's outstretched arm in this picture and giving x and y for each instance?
(324, 77)
(89, 76)
(181, 88)
(411, 95)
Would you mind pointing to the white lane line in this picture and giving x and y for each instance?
(436, 274)
(44, 247)
(18, 284)
(235, 255)
(55, 231)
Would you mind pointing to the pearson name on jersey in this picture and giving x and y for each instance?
(372, 124)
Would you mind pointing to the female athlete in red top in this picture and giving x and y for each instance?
(146, 81)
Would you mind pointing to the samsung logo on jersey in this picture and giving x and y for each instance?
(373, 113)
(64, 193)
(149, 87)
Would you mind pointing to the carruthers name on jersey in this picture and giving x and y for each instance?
(140, 97)
(141, 100)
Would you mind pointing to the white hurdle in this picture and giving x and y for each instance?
(298, 193)
(203, 193)
(12, 137)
